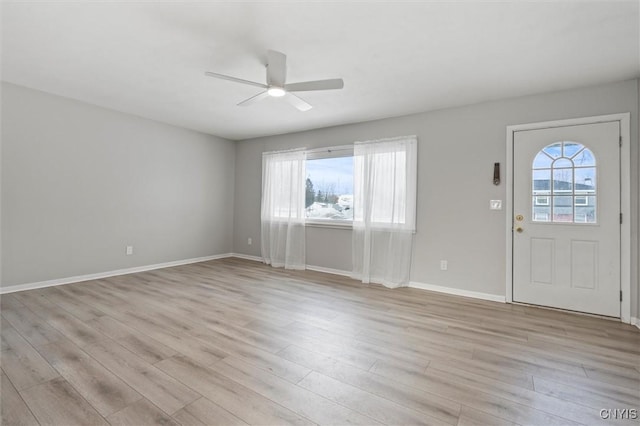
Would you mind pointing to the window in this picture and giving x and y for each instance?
(564, 184)
(542, 200)
(369, 187)
(329, 182)
(329, 186)
(540, 217)
(582, 200)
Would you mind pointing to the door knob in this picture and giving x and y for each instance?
(519, 229)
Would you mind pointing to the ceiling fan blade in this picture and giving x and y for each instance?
(254, 99)
(237, 80)
(335, 83)
(297, 102)
(276, 68)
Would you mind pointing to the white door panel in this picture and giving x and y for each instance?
(566, 200)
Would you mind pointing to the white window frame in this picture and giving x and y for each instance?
(537, 217)
(538, 203)
(330, 152)
(586, 200)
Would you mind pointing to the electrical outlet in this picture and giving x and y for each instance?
(129, 250)
(249, 241)
(443, 265)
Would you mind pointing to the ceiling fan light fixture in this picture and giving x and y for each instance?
(276, 92)
(276, 83)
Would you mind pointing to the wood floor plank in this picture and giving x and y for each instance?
(584, 395)
(491, 404)
(255, 356)
(430, 405)
(204, 412)
(600, 350)
(392, 369)
(62, 297)
(268, 342)
(162, 390)
(239, 400)
(8, 301)
(56, 402)
(471, 417)
(487, 335)
(22, 363)
(106, 392)
(4, 345)
(330, 332)
(13, 410)
(68, 325)
(526, 363)
(625, 377)
(140, 344)
(35, 300)
(631, 396)
(433, 344)
(298, 399)
(30, 326)
(180, 342)
(140, 413)
(492, 371)
(260, 358)
(340, 350)
(381, 409)
(526, 397)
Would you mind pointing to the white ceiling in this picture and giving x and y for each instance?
(149, 58)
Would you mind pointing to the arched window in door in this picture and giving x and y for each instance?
(564, 184)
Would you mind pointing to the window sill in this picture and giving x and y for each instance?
(332, 224)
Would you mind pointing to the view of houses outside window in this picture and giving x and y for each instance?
(329, 189)
(564, 184)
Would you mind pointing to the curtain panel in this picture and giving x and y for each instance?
(385, 176)
(282, 209)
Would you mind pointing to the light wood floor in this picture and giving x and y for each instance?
(236, 342)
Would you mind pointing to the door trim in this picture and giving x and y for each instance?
(624, 120)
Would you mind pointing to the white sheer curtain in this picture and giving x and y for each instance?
(282, 212)
(384, 210)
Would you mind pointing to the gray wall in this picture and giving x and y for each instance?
(79, 183)
(457, 148)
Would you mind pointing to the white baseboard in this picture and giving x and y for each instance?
(413, 284)
(247, 257)
(423, 286)
(309, 267)
(329, 270)
(107, 274)
(458, 292)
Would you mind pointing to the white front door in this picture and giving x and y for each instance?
(566, 218)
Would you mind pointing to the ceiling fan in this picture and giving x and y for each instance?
(277, 86)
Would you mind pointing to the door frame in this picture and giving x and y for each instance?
(624, 120)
